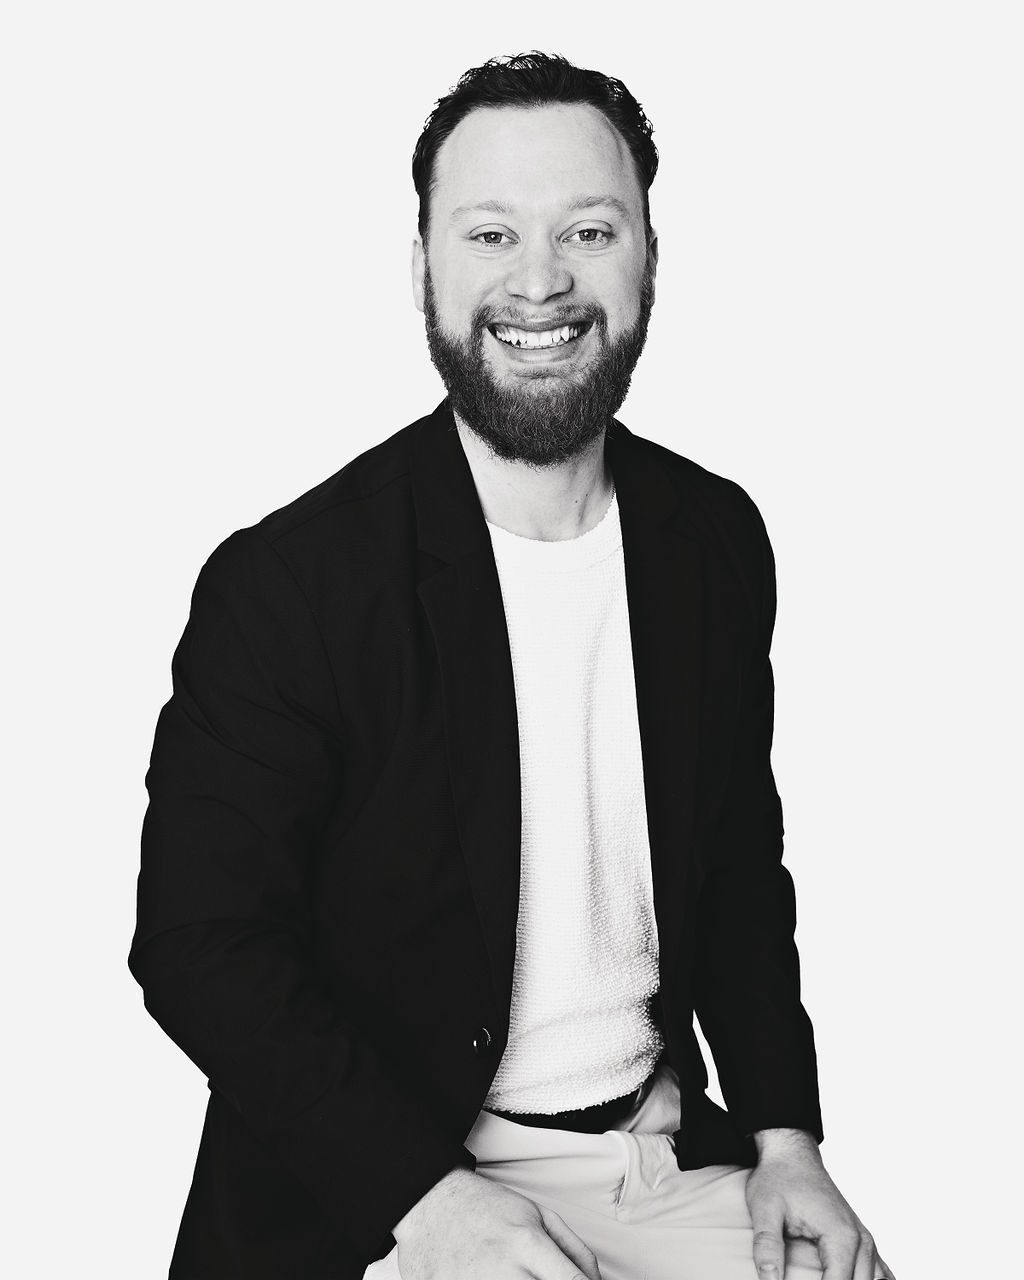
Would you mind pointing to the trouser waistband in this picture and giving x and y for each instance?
(595, 1119)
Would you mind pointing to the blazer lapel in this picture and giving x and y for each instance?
(461, 594)
(665, 599)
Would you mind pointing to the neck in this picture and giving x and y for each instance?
(546, 503)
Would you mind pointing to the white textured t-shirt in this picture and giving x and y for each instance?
(586, 942)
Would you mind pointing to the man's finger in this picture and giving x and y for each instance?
(838, 1255)
(769, 1249)
(882, 1270)
(570, 1243)
(864, 1263)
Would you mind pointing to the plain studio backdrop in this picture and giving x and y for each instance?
(207, 310)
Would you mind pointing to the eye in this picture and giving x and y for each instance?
(491, 239)
(596, 236)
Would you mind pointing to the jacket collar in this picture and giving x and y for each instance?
(450, 520)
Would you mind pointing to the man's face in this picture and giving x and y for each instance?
(537, 280)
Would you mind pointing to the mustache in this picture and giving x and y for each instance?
(558, 316)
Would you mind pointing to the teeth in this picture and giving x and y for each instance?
(546, 338)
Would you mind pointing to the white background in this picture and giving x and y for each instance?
(207, 310)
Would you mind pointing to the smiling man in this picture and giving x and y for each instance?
(462, 804)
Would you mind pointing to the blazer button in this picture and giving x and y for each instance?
(482, 1043)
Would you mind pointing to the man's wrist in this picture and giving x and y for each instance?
(447, 1182)
(775, 1143)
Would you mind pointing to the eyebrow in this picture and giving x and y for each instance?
(575, 204)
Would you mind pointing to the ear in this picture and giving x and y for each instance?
(652, 258)
(419, 263)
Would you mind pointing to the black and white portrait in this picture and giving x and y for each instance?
(514, 641)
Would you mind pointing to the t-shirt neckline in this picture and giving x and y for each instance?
(564, 553)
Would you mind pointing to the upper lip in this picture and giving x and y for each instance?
(536, 326)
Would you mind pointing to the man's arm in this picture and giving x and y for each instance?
(747, 993)
(243, 777)
(746, 971)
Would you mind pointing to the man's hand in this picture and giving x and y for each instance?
(466, 1227)
(789, 1194)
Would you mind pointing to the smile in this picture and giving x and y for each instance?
(530, 339)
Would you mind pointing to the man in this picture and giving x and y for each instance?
(463, 803)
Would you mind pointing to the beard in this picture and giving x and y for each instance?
(539, 416)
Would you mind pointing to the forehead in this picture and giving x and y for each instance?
(531, 158)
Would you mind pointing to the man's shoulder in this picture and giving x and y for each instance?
(377, 477)
(358, 518)
(720, 515)
(713, 505)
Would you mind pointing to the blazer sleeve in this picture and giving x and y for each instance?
(243, 776)
(747, 970)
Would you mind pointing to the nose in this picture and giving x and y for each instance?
(538, 273)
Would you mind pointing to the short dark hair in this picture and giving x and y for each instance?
(533, 80)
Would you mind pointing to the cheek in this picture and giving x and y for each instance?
(616, 287)
(461, 290)
(624, 314)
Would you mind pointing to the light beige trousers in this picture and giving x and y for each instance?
(624, 1196)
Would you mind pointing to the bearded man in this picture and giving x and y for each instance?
(462, 803)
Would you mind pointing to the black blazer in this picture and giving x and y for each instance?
(329, 882)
